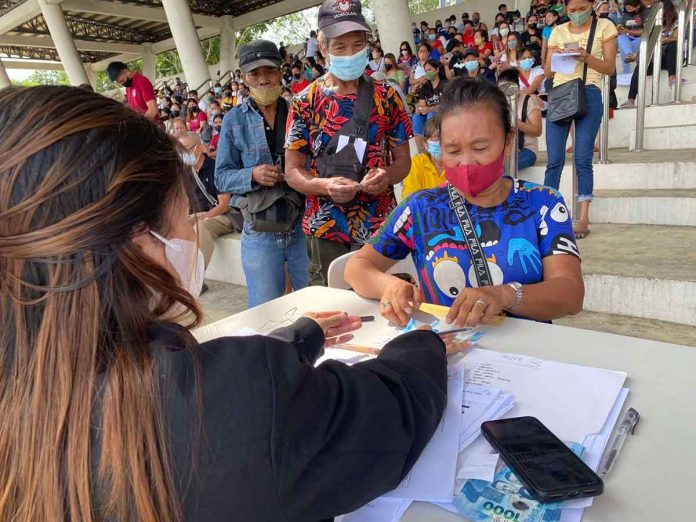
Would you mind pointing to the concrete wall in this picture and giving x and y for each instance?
(487, 8)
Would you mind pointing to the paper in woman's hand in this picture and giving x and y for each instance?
(564, 63)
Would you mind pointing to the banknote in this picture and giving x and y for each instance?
(505, 499)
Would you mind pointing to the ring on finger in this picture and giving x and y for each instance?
(386, 303)
(481, 301)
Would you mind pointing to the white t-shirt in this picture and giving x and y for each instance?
(377, 65)
(533, 75)
(312, 45)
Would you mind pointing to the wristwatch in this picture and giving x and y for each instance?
(519, 292)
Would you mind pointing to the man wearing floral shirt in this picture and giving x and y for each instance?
(342, 214)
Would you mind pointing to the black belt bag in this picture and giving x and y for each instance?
(567, 101)
(346, 163)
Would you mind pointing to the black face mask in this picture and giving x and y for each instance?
(175, 114)
(604, 15)
(297, 76)
(128, 83)
(388, 66)
(532, 26)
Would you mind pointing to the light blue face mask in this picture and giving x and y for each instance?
(527, 64)
(348, 68)
(580, 19)
(435, 150)
(472, 66)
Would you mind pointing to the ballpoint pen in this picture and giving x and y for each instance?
(626, 428)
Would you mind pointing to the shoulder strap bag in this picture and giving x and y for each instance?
(478, 259)
(567, 101)
(520, 134)
(332, 163)
(274, 209)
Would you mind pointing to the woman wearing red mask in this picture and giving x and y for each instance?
(525, 259)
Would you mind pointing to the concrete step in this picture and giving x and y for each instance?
(676, 207)
(666, 95)
(662, 331)
(633, 170)
(226, 263)
(665, 138)
(641, 271)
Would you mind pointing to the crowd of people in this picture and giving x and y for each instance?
(111, 409)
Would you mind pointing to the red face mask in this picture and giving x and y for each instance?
(471, 180)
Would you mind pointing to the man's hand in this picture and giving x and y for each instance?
(376, 181)
(341, 190)
(266, 175)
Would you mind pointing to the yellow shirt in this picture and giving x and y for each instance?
(422, 175)
(561, 35)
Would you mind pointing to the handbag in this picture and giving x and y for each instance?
(567, 101)
(346, 163)
(273, 209)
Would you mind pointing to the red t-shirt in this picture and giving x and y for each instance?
(298, 87)
(139, 93)
(468, 40)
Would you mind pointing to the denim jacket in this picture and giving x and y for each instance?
(242, 147)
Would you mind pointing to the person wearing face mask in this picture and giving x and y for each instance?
(228, 101)
(435, 42)
(140, 94)
(529, 121)
(377, 62)
(217, 127)
(251, 167)
(470, 67)
(97, 323)
(483, 47)
(508, 58)
(630, 30)
(393, 73)
(428, 99)
(531, 37)
(589, 70)
(500, 41)
(195, 117)
(210, 209)
(524, 266)
(426, 168)
(478, 24)
(551, 20)
(299, 82)
(531, 76)
(349, 191)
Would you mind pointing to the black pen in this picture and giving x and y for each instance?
(367, 318)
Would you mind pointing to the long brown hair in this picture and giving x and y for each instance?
(79, 176)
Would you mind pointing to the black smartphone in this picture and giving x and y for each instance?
(546, 467)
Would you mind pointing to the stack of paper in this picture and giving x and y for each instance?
(481, 404)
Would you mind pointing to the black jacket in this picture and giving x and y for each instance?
(284, 441)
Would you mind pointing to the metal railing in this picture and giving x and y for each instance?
(221, 79)
(604, 128)
(512, 92)
(685, 32)
(650, 49)
(208, 82)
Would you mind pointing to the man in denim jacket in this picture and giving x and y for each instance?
(248, 161)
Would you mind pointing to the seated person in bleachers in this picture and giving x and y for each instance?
(527, 263)
(212, 210)
(529, 122)
(426, 168)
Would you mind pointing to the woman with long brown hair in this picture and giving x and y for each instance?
(110, 410)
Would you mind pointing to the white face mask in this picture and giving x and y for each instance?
(187, 260)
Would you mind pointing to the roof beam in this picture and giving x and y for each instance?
(273, 11)
(82, 45)
(137, 12)
(19, 15)
(32, 65)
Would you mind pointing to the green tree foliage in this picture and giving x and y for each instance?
(421, 6)
(45, 78)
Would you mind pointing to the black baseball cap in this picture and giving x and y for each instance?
(470, 52)
(338, 17)
(259, 53)
(114, 69)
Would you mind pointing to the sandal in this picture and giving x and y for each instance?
(582, 234)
